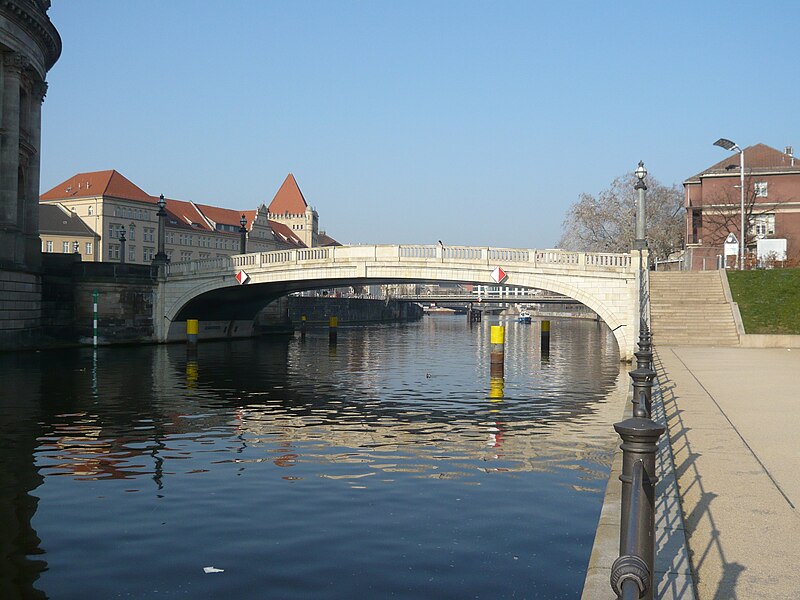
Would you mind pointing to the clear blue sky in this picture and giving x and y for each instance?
(412, 121)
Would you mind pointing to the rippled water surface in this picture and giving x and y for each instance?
(389, 466)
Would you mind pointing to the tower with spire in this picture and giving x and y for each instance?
(290, 208)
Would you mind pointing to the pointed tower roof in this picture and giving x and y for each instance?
(97, 183)
(288, 199)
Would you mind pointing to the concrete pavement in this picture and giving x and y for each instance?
(733, 416)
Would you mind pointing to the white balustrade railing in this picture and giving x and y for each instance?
(406, 253)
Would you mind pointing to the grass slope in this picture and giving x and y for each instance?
(769, 300)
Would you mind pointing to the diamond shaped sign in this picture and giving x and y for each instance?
(498, 275)
(242, 277)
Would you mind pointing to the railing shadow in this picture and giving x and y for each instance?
(686, 471)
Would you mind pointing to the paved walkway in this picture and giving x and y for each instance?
(733, 416)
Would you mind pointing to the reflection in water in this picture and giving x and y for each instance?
(154, 462)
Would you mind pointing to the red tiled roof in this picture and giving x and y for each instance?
(757, 158)
(184, 214)
(323, 239)
(227, 216)
(284, 234)
(97, 183)
(288, 199)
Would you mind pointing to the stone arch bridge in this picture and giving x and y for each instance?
(606, 283)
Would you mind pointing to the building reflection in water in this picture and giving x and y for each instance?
(384, 401)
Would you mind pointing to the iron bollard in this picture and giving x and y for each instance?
(637, 527)
(303, 327)
(642, 385)
(646, 344)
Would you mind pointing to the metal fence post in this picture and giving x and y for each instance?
(637, 528)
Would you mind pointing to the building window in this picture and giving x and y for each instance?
(114, 230)
(203, 255)
(764, 225)
(132, 232)
(761, 189)
(131, 253)
(65, 247)
(88, 247)
(169, 254)
(49, 246)
(148, 253)
(149, 234)
(170, 237)
(113, 252)
(185, 255)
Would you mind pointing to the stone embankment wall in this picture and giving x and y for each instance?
(351, 310)
(126, 294)
(124, 306)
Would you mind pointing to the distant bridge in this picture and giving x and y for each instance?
(606, 283)
(464, 298)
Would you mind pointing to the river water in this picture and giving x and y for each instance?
(388, 466)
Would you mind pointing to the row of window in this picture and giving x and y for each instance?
(67, 247)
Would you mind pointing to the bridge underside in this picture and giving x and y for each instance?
(245, 301)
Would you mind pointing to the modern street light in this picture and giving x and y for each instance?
(161, 256)
(729, 145)
(243, 234)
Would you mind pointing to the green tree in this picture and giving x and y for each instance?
(606, 222)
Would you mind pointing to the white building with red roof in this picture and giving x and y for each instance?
(110, 205)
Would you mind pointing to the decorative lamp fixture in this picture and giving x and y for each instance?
(641, 172)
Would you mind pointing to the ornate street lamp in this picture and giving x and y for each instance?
(243, 234)
(161, 256)
(729, 145)
(122, 245)
(640, 242)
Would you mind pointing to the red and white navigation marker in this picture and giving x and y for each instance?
(498, 275)
(242, 277)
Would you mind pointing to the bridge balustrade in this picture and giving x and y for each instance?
(561, 258)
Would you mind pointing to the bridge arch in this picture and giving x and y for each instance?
(606, 283)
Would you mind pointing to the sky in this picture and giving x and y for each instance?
(472, 122)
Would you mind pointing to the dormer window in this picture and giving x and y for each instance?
(761, 189)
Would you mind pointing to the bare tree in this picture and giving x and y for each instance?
(721, 213)
(606, 222)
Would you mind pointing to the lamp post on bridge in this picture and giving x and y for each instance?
(729, 145)
(122, 241)
(160, 259)
(243, 234)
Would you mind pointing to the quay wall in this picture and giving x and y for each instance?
(125, 296)
(351, 311)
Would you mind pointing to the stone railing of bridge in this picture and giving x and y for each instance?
(561, 259)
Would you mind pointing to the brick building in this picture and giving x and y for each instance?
(772, 207)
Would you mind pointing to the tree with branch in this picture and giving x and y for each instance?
(606, 222)
(721, 214)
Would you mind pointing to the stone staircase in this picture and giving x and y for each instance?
(690, 308)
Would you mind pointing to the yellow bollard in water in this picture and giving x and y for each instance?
(192, 328)
(545, 338)
(303, 327)
(333, 324)
(498, 353)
